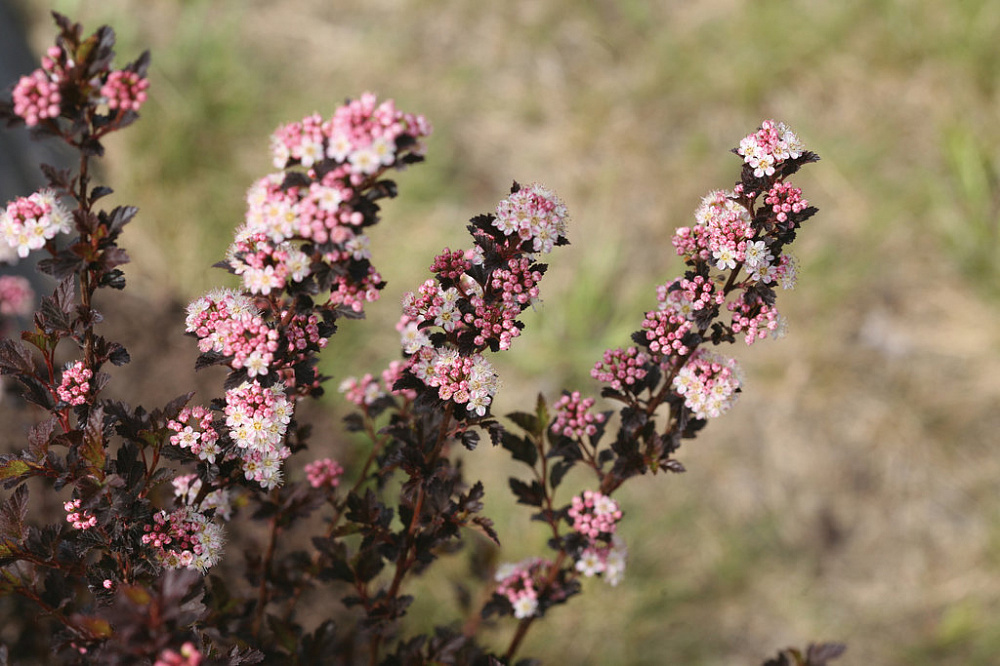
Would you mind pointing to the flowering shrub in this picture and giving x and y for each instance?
(134, 573)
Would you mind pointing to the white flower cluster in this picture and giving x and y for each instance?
(257, 418)
(533, 213)
(769, 146)
(27, 223)
(709, 383)
(466, 380)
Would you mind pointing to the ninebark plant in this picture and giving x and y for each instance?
(132, 573)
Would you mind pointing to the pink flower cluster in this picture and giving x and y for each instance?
(517, 286)
(709, 383)
(573, 416)
(184, 538)
(768, 147)
(432, 302)
(783, 199)
(343, 157)
(75, 383)
(520, 584)
(536, 215)
(188, 656)
(29, 222)
(755, 318)
(324, 472)
(16, 296)
(669, 328)
(722, 227)
(621, 367)
(594, 515)
(302, 334)
(494, 321)
(188, 486)
(367, 390)
(36, 96)
(81, 520)
(194, 431)
(228, 322)
(124, 90)
(475, 306)
(361, 392)
(450, 264)
(257, 418)
(465, 380)
(264, 265)
(362, 135)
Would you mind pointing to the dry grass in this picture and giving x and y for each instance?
(852, 493)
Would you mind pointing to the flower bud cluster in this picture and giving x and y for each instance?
(75, 383)
(39, 96)
(184, 538)
(709, 383)
(195, 431)
(124, 90)
(671, 329)
(81, 520)
(731, 235)
(36, 97)
(28, 223)
(573, 416)
(783, 199)
(325, 472)
(754, 318)
(16, 296)
(594, 515)
(520, 584)
(621, 368)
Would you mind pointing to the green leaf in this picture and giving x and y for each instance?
(14, 468)
(542, 412)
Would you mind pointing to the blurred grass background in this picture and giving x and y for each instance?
(852, 493)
